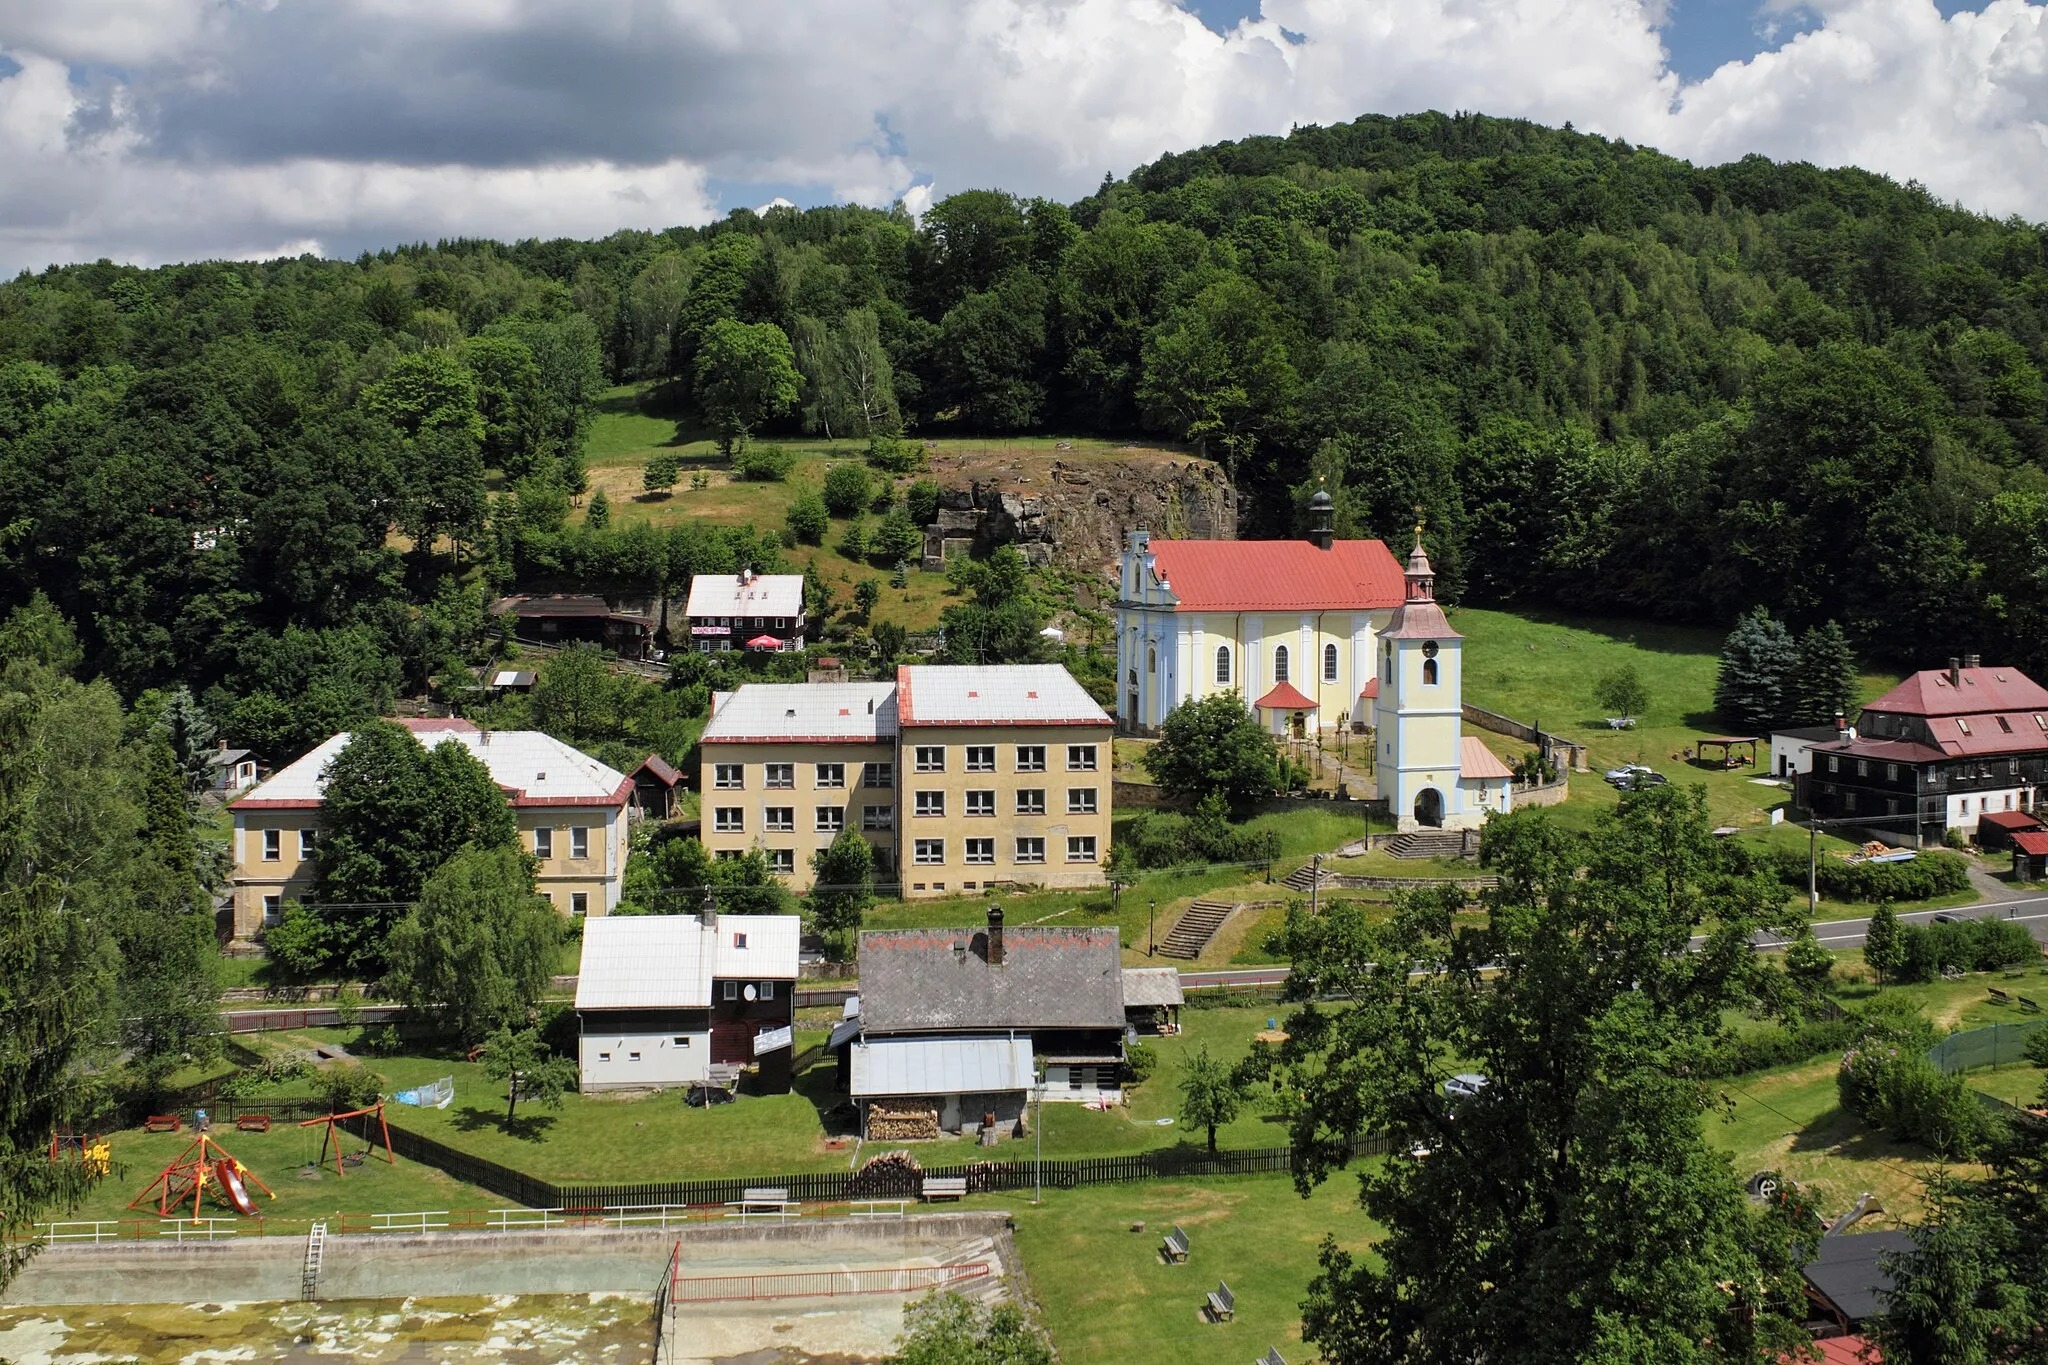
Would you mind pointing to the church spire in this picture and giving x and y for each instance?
(1421, 579)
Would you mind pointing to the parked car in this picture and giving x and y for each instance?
(1946, 918)
(1641, 778)
(1619, 776)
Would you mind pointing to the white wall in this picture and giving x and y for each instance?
(607, 1061)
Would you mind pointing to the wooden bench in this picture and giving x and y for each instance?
(768, 1200)
(945, 1187)
(1271, 1357)
(252, 1123)
(2000, 996)
(1222, 1303)
(2027, 1004)
(1174, 1246)
(163, 1123)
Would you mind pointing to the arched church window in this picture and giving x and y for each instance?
(1329, 663)
(1429, 672)
(1280, 664)
(1223, 663)
(1151, 658)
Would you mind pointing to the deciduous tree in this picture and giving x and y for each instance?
(1210, 1095)
(529, 1069)
(1622, 692)
(844, 889)
(1213, 745)
(478, 949)
(746, 373)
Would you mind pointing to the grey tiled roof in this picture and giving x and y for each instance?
(922, 980)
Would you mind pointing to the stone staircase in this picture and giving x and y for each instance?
(1196, 927)
(1431, 843)
(1305, 878)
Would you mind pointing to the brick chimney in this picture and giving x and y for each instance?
(1955, 671)
(995, 936)
(1973, 661)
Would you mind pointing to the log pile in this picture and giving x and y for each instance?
(901, 1121)
(881, 1177)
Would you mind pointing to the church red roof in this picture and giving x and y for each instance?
(1930, 693)
(1279, 575)
(1285, 697)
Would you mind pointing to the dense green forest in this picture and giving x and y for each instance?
(1611, 380)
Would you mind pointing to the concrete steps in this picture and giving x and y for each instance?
(1429, 843)
(1306, 879)
(1195, 928)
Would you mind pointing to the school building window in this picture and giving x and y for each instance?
(981, 850)
(1081, 849)
(1080, 758)
(928, 851)
(981, 803)
(1031, 850)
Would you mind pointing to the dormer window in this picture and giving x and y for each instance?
(1962, 725)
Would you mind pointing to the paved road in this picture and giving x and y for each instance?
(2031, 911)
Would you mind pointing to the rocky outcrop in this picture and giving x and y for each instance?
(1074, 511)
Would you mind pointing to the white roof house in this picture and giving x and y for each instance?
(942, 1066)
(746, 594)
(804, 711)
(535, 769)
(993, 694)
(670, 961)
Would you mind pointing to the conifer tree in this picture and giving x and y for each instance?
(599, 514)
(1758, 662)
(1824, 677)
(1884, 944)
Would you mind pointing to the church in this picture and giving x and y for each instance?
(1317, 635)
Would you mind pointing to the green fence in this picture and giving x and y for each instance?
(1993, 1045)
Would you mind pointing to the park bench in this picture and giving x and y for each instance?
(162, 1123)
(2000, 996)
(1222, 1303)
(1271, 1357)
(768, 1200)
(2027, 1004)
(1174, 1245)
(252, 1123)
(945, 1187)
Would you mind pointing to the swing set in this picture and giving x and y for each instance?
(333, 1131)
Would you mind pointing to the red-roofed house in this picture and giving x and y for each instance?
(1949, 746)
(1195, 617)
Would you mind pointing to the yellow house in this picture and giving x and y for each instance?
(960, 778)
(571, 812)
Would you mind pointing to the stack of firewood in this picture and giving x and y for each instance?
(901, 1122)
(891, 1173)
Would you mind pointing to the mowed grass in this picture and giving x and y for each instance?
(1106, 1295)
(653, 1137)
(278, 1158)
(1789, 1120)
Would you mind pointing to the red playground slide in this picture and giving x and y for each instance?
(231, 1181)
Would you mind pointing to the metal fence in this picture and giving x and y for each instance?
(1992, 1045)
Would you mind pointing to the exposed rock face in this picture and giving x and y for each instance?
(1074, 511)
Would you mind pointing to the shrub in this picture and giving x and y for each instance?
(847, 489)
(1143, 1059)
(894, 455)
(658, 475)
(807, 518)
(1165, 839)
(1778, 1046)
(348, 1086)
(763, 464)
(921, 501)
(1887, 1081)
(1931, 874)
(297, 943)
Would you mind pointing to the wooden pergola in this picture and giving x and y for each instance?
(1728, 744)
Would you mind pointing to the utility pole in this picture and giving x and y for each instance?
(1151, 914)
(1315, 883)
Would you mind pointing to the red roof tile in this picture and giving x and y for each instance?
(2033, 842)
(1370, 690)
(1285, 697)
(2009, 820)
(1929, 693)
(1279, 575)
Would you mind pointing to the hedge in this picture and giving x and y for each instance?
(1932, 873)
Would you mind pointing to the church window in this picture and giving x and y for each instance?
(1429, 672)
(1280, 664)
(1223, 663)
(1329, 663)
(1151, 658)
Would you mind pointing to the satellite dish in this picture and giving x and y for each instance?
(748, 992)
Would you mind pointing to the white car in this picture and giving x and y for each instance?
(1626, 771)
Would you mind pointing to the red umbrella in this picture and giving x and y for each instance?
(764, 642)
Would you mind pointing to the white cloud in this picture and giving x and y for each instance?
(159, 129)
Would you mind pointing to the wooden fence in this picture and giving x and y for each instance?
(826, 1187)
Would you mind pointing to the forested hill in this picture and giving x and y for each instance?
(1611, 380)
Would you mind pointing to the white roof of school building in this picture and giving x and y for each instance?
(728, 594)
(804, 711)
(535, 769)
(643, 962)
(993, 694)
(942, 1066)
(670, 961)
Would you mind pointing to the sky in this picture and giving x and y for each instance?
(160, 130)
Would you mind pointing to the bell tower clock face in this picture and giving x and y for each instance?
(1429, 649)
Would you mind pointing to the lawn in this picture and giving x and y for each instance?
(281, 1158)
(1105, 1293)
(1788, 1120)
(603, 1138)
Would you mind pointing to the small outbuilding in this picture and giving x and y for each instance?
(1792, 749)
(1846, 1279)
(655, 784)
(230, 770)
(911, 1088)
(1995, 829)
(2030, 856)
(1152, 999)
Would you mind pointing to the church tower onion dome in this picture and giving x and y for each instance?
(1419, 617)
